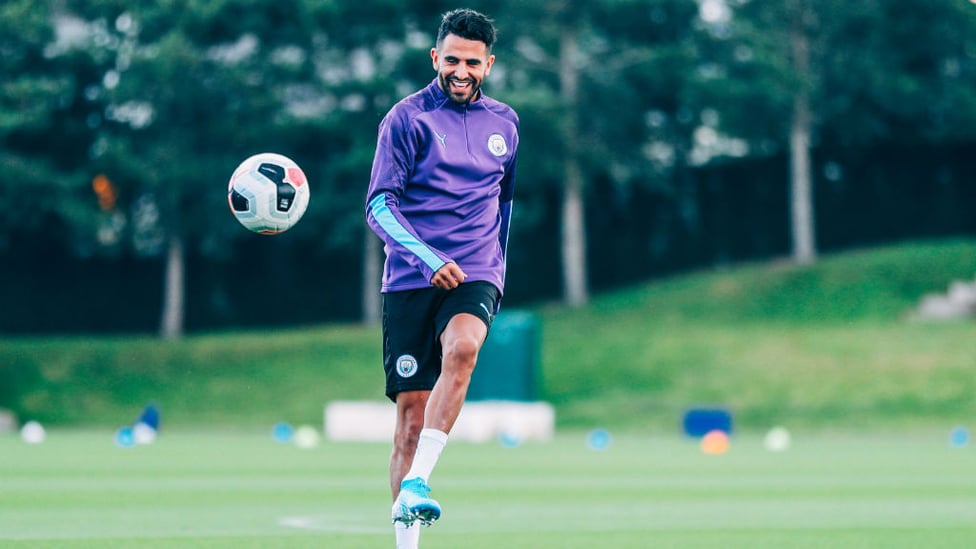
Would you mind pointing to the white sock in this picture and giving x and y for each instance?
(407, 537)
(429, 449)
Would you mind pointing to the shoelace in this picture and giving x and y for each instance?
(420, 487)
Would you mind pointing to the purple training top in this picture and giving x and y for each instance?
(441, 188)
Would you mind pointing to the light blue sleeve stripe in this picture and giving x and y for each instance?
(389, 223)
(506, 225)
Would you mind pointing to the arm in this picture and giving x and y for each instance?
(395, 151)
(506, 199)
(505, 208)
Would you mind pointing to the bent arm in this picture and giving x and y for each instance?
(385, 219)
(396, 148)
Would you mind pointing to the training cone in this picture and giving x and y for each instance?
(959, 437)
(282, 432)
(509, 439)
(149, 417)
(598, 439)
(715, 442)
(125, 437)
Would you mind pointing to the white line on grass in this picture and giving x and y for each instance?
(324, 524)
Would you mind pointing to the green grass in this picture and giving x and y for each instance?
(827, 345)
(240, 489)
(826, 350)
(822, 346)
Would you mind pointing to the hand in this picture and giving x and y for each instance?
(448, 277)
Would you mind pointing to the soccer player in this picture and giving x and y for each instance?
(440, 197)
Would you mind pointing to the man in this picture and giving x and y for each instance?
(440, 197)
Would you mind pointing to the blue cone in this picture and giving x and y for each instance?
(150, 416)
(959, 437)
(282, 432)
(598, 439)
(125, 437)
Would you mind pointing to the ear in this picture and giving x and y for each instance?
(491, 61)
(433, 57)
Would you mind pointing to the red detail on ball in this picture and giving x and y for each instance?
(296, 176)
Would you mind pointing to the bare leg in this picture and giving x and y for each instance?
(423, 421)
(410, 407)
(437, 410)
(460, 342)
(410, 420)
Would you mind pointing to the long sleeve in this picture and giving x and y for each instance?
(384, 217)
(393, 161)
(441, 188)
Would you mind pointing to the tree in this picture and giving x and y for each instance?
(801, 179)
(573, 213)
(849, 74)
(592, 73)
(191, 90)
(384, 58)
(42, 146)
(771, 56)
(151, 105)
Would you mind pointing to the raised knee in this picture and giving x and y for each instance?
(463, 351)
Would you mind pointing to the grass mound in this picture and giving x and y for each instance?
(823, 346)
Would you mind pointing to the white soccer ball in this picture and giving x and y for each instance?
(143, 433)
(307, 436)
(778, 439)
(33, 433)
(268, 193)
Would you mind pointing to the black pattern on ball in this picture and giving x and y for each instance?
(286, 192)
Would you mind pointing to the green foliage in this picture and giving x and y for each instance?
(223, 79)
(166, 97)
(820, 346)
(900, 70)
(34, 94)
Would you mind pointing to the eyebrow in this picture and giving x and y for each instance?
(471, 61)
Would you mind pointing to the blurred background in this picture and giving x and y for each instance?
(659, 137)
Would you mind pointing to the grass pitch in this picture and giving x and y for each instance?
(242, 489)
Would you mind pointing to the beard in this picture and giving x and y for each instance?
(460, 96)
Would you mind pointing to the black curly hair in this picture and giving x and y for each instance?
(467, 24)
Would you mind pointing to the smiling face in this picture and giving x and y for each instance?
(461, 66)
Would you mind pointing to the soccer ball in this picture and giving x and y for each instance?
(268, 193)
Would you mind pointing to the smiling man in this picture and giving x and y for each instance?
(440, 198)
(461, 66)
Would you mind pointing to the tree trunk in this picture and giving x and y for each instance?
(573, 215)
(171, 323)
(372, 271)
(801, 180)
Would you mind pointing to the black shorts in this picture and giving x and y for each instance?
(412, 324)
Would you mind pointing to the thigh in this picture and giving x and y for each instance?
(474, 298)
(464, 327)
